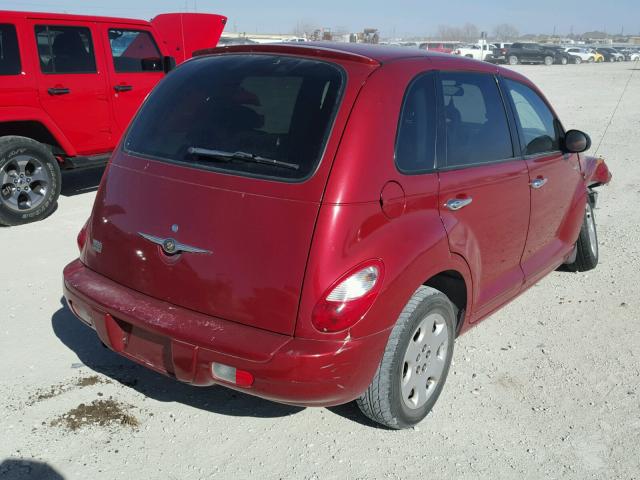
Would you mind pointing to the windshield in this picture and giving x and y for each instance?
(260, 115)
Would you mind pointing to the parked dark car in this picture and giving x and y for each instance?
(532, 53)
(610, 54)
(561, 57)
(316, 224)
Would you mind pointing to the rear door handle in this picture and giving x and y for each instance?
(458, 203)
(58, 91)
(123, 88)
(538, 183)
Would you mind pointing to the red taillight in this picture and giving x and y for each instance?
(82, 236)
(349, 298)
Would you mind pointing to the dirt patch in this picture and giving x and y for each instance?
(55, 390)
(90, 381)
(99, 412)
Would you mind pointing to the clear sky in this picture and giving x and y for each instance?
(402, 17)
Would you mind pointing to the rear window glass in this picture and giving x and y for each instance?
(256, 115)
(9, 53)
(65, 49)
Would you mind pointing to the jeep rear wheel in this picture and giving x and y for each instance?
(29, 181)
(513, 60)
(415, 363)
(548, 60)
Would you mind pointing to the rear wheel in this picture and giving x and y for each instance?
(29, 181)
(548, 60)
(513, 60)
(587, 245)
(577, 60)
(563, 61)
(612, 59)
(415, 363)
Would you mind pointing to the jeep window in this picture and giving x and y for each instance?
(134, 51)
(477, 130)
(233, 113)
(540, 131)
(9, 52)
(65, 49)
(416, 140)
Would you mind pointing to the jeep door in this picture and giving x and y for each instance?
(484, 187)
(557, 193)
(72, 82)
(134, 65)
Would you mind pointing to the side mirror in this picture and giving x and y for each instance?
(168, 64)
(576, 141)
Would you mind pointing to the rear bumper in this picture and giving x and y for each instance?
(183, 344)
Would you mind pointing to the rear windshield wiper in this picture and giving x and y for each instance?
(242, 156)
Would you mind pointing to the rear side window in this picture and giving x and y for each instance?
(416, 140)
(539, 129)
(9, 52)
(256, 115)
(134, 51)
(65, 49)
(476, 123)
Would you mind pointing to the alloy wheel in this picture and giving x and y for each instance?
(24, 183)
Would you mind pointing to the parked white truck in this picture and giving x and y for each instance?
(477, 51)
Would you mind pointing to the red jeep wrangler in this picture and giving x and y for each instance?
(69, 85)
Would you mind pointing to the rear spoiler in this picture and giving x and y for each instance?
(184, 33)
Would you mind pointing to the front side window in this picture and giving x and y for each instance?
(540, 131)
(477, 129)
(255, 115)
(65, 49)
(134, 51)
(9, 52)
(416, 140)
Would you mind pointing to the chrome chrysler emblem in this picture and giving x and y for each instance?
(171, 246)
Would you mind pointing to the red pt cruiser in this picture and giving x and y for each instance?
(315, 224)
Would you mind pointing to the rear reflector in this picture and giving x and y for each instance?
(229, 374)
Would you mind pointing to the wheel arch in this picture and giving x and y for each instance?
(34, 124)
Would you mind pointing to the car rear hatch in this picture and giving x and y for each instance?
(211, 202)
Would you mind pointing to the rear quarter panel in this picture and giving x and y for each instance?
(352, 226)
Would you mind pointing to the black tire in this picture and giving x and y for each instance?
(382, 402)
(577, 60)
(548, 60)
(587, 252)
(612, 59)
(563, 61)
(513, 60)
(30, 181)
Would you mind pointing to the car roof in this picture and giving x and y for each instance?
(365, 53)
(8, 15)
(358, 52)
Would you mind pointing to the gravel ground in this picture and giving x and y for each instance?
(546, 388)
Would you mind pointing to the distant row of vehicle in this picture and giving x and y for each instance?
(517, 53)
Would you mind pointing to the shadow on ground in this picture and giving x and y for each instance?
(84, 342)
(77, 182)
(20, 469)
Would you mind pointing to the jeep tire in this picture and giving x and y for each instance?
(30, 181)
